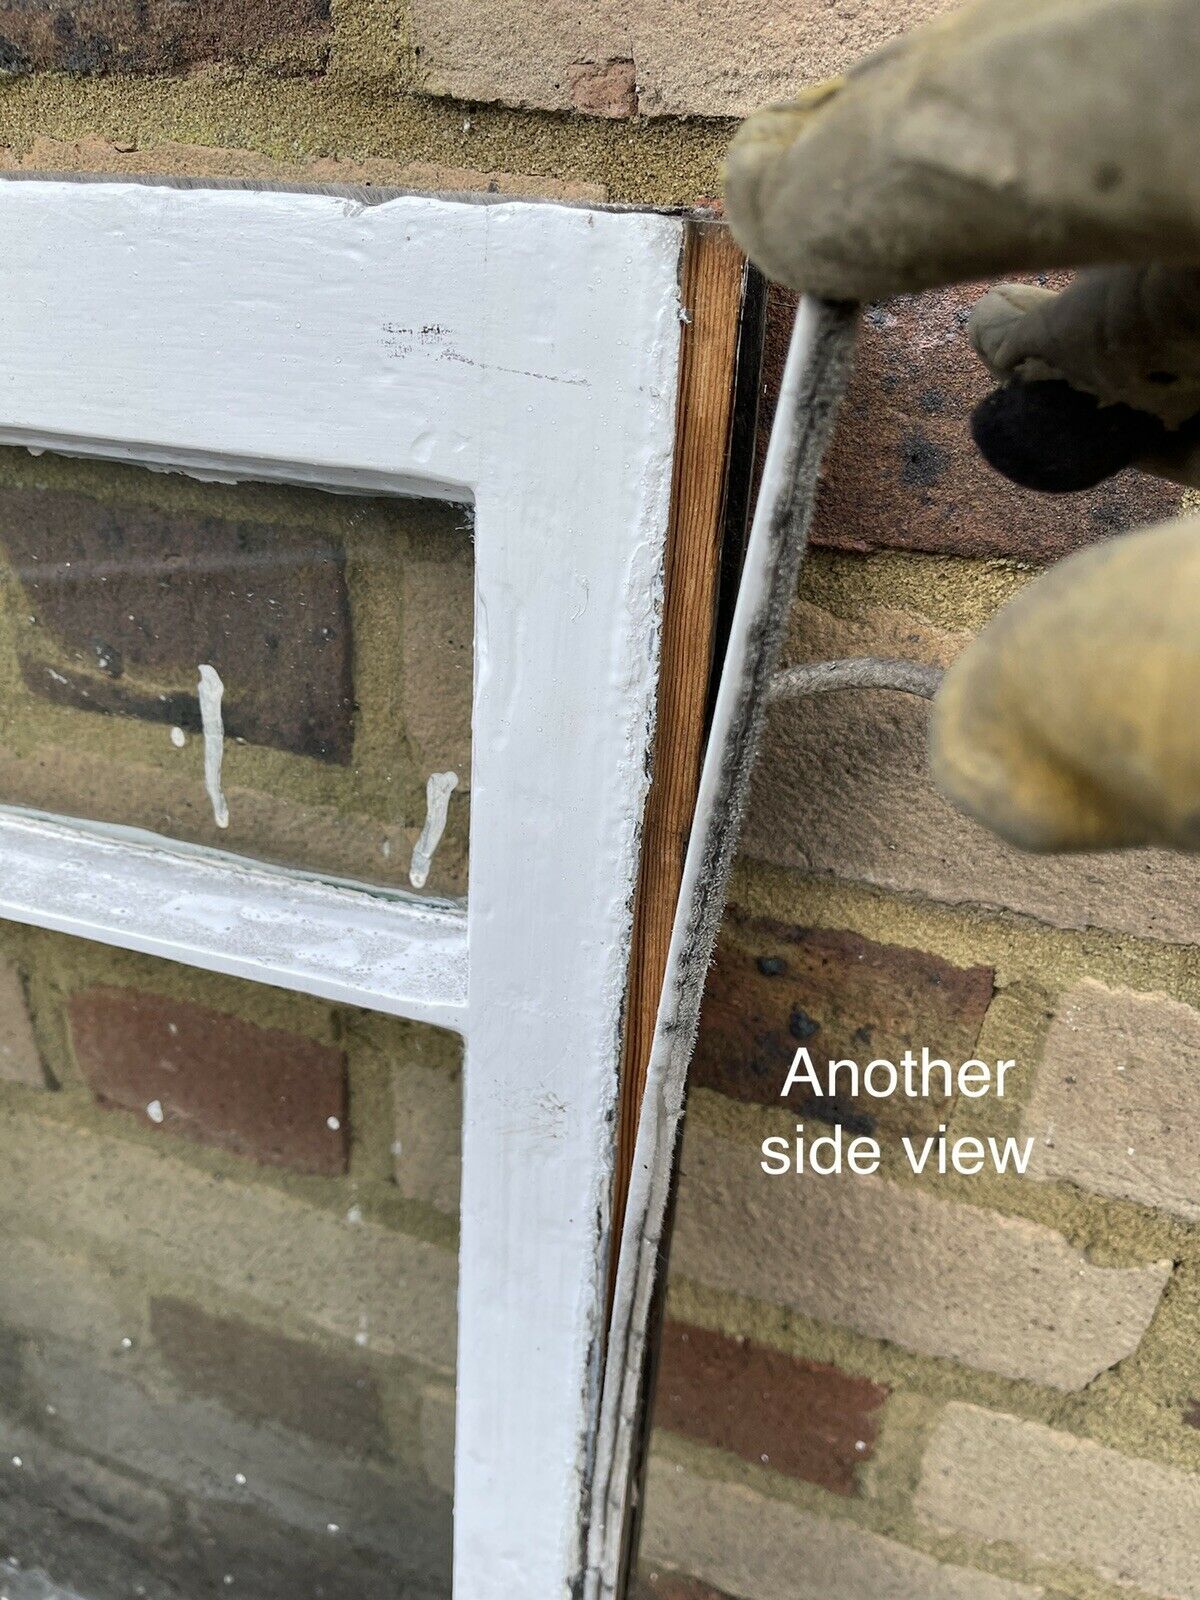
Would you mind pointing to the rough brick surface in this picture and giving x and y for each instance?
(267, 1377)
(303, 1266)
(841, 788)
(1065, 1499)
(46, 1289)
(265, 605)
(438, 659)
(902, 472)
(762, 1549)
(894, 1262)
(89, 36)
(798, 1417)
(273, 1096)
(775, 987)
(654, 1585)
(427, 1150)
(20, 1059)
(1116, 1103)
(93, 154)
(603, 88)
(258, 1499)
(690, 58)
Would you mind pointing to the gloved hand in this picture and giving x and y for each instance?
(1010, 135)
(1029, 135)
(1102, 375)
(1070, 722)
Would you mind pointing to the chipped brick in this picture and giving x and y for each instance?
(604, 88)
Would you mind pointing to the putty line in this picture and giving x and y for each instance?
(438, 790)
(211, 691)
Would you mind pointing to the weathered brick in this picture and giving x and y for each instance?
(90, 36)
(93, 154)
(654, 1585)
(427, 1151)
(436, 1423)
(275, 1097)
(20, 1058)
(304, 1266)
(1065, 1499)
(201, 1453)
(270, 1378)
(763, 1549)
(841, 788)
(47, 1289)
(775, 987)
(690, 57)
(128, 601)
(1116, 1103)
(902, 471)
(603, 88)
(894, 1262)
(798, 1417)
(272, 1560)
(438, 658)
(80, 1488)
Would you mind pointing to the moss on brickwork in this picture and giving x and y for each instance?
(954, 593)
(661, 163)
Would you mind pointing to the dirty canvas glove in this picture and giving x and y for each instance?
(1097, 377)
(1070, 723)
(1008, 135)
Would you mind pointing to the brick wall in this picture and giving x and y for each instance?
(891, 1389)
(227, 1312)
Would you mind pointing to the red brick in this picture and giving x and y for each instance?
(266, 605)
(774, 987)
(654, 1585)
(260, 1092)
(772, 1409)
(270, 1378)
(91, 36)
(902, 472)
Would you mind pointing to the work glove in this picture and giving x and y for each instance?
(1070, 722)
(1010, 135)
(1098, 377)
(1027, 135)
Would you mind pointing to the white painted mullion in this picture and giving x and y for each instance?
(570, 539)
(343, 944)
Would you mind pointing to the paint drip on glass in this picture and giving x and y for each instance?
(438, 789)
(211, 691)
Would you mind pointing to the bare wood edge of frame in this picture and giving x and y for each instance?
(713, 292)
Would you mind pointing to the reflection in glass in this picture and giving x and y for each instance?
(279, 672)
(228, 1224)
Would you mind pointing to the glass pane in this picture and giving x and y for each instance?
(283, 673)
(228, 1230)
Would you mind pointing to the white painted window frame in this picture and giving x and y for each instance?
(261, 334)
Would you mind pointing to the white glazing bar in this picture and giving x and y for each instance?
(342, 944)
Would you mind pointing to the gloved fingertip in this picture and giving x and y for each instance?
(1052, 437)
(996, 316)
